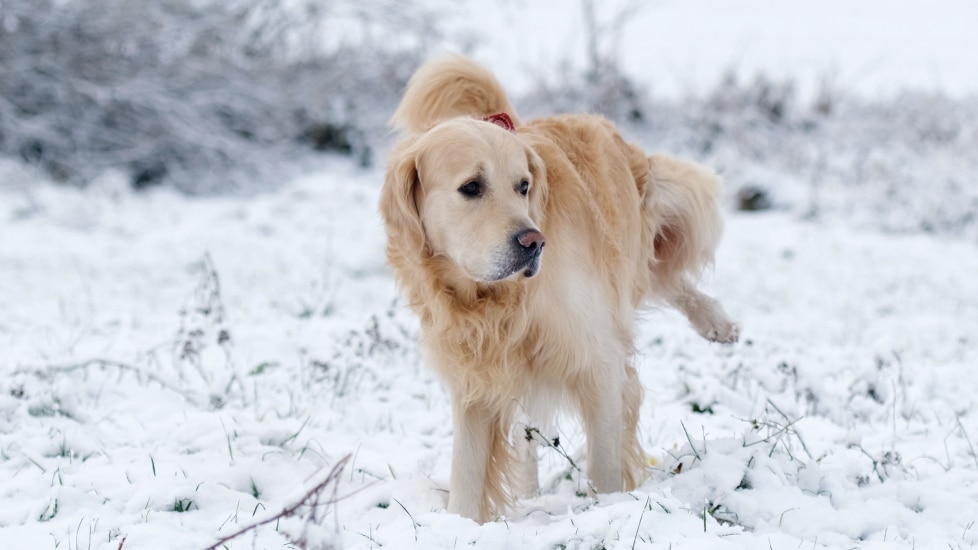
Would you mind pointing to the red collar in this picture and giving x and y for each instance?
(502, 120)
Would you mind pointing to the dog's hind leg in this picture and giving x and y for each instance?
(704, 312)
(683, 227)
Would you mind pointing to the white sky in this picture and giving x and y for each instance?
(868, 47)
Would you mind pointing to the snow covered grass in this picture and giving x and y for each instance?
(176, 369)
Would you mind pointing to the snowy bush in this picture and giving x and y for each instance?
(898, 164)
(198, 92)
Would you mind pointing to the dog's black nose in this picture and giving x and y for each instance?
(531, 239)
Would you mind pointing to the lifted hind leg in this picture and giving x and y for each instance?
(684, 225)
(705, 313)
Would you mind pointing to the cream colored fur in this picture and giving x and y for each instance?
(621, 229)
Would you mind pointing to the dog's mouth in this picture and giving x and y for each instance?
(532, 265)
(520, 258)
(526, 264)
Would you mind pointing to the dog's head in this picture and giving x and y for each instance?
(468, 191)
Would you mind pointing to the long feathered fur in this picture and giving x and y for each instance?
(647, 241)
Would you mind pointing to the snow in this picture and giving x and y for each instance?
(845, 417)
(173, 369)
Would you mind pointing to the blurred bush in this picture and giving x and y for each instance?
(903, 163)
(206, 95)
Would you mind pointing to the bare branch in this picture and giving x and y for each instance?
(311, 500)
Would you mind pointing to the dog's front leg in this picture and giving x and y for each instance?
(470, 457)
(601, 408)
(527, 472)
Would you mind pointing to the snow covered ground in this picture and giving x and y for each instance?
(173, 369)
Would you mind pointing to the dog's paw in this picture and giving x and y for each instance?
(726, 332)
(712, 323)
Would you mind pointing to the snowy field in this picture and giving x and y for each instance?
(174, 369)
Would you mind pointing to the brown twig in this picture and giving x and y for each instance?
(311, 498)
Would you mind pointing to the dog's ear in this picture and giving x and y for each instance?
(540, 190)
(399, 202)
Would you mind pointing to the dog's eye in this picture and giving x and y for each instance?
(524, 187)
(472, 189)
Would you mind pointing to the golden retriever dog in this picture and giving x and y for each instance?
(527, 249)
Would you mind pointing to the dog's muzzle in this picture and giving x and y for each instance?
(529, 245)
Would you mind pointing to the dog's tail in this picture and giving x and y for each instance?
(448, 87)
(683, 219)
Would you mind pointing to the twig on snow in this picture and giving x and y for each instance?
(794, 431)
(311, 499)
(648, 499)
(532, 432)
